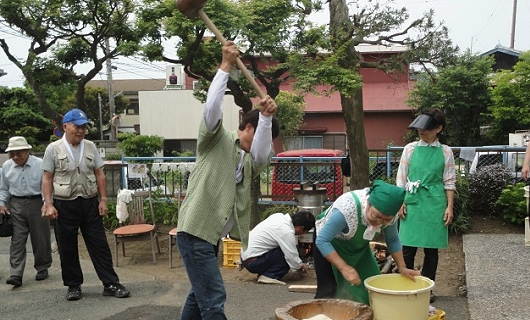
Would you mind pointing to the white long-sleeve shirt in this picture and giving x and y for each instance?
(449, 175)
(262, 142)
(275, 231)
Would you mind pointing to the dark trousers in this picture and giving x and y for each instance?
(430, 260)
(207, 296)
(271, 264)
(326, 284)
(82, 214)
(27, 220)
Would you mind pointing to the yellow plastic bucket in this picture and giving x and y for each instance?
(395, 297)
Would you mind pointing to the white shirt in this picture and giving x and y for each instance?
(275, 231)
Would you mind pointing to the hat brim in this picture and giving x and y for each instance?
(423, 121)
(80, 122)
(26, 147)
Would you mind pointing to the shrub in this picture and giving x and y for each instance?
(485, 186)
(110, 221)
(461, 221)
(512, 203)
(166, 209)
(113, 156)
(140, 146)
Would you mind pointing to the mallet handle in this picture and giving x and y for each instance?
(239, 63)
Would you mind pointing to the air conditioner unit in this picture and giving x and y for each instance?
(196, 85)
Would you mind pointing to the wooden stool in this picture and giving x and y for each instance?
(172, 237)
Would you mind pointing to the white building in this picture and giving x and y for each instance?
(176, 116)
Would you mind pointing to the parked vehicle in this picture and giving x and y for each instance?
(307, 166)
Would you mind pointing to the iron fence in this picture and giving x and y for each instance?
(168, 176)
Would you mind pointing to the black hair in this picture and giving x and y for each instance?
(305, 219)
(252, 118)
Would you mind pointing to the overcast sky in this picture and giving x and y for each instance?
(478, 25)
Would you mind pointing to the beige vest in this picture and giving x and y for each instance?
(72, 180)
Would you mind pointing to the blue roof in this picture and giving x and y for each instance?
(502, 49)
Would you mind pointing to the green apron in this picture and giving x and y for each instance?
(423, 226)
(355, 252)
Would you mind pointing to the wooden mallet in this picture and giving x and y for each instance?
(192, 9)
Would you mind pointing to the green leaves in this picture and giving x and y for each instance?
(463, 92)
(290, 112)
(510, 100)
(512, 203)
(140, 146)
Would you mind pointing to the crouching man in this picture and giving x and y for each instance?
(272, 248)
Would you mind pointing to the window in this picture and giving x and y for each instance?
(304, 142)
(134, 107)
(179, 146)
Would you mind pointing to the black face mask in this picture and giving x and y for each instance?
(423, 121)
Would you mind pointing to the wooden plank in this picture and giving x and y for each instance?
(303, 288)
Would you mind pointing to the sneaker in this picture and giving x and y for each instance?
(267, 280)
(74, 293)
(115, 289)
(15, 281)
(41, 275)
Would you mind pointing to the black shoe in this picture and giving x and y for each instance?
(74, 293)
(15, 281)
(115, 289)
(41, 275)
(432, 298)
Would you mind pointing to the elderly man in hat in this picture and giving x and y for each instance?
(20, 187)
(343, 258)
(73, 178)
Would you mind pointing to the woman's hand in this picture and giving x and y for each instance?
(409, 273)
(351, 275)
(448, 215)
(402, 211)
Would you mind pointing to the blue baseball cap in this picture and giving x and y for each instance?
(76, 116)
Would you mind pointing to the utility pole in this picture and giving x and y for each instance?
(514, 16)
(110, 90)
(100, 118)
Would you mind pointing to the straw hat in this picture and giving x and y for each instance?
(17, 143)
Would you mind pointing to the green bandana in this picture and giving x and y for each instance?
(386, 198)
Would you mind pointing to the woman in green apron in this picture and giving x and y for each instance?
(343, 258)
(427, 172)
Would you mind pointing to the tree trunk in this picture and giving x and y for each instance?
(352, 104)
(352, 107)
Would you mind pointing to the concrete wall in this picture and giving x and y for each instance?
(176, 114)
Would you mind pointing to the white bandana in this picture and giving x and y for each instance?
(370, 232)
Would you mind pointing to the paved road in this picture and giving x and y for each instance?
(497, 276)
(497, 273)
